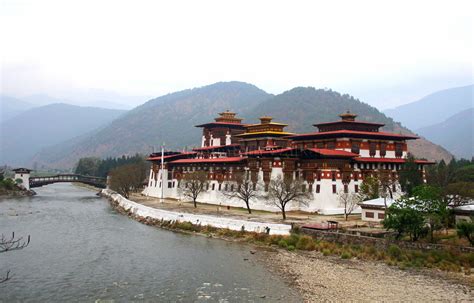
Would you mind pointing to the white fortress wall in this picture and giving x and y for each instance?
(218, 222)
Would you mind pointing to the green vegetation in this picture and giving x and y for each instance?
(447, 260)
(90, 166)
(466, 229)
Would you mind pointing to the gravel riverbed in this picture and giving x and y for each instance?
(331, 279)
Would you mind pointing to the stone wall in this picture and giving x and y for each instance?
(142, 212)
(380, 243)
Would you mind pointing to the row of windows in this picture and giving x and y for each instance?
(370, 214)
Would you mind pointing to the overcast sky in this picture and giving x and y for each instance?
(384, 52)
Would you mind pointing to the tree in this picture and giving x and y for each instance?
(349, 201)
(283, 191)
(10, 244)
(410, 175)
(245, 190)
(128, 178)
(87, 166)
(466, 229)
(193, 184)
(369, 189)
(405, 218)
(429, 201)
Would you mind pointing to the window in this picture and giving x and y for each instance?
(333, 176)
(356, 176)
(225, 187)
(383, 149)
(334, 189)
(372, 148)
(381, 216)
(346, 188)
(398, 150)
(310, 189)
(356, 188)
(169, 184)
(213, 186)
(318, 188)
(355, 147)
(394, 188)
(220, 185)
(319, 176)
(303, 188)
(331, 145)
(232, 187)
(369, 214)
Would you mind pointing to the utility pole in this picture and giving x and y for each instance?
(162, 171)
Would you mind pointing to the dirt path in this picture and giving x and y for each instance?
(325, 279)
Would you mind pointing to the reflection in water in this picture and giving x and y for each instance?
(82, 250)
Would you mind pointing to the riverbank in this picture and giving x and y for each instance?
(323, 271)
(327, 279)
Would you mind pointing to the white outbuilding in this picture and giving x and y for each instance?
(374, 210)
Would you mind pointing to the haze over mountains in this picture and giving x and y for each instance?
(171, 119)
(443, 117)
(27, 133)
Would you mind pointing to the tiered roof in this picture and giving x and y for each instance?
(266, 128)
(227, 119)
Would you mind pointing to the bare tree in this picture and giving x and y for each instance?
(349, 201)
(10, 244)
(128, 178)
(245, 190)
(193, 184)
(283, 191)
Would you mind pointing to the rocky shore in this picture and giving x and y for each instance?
(331, 279)
(4, 193)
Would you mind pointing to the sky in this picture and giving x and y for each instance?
(385, 53)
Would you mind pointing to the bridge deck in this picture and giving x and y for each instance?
(90, 180)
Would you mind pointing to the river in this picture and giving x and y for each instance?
(82, 250)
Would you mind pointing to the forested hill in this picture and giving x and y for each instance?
(171, 119)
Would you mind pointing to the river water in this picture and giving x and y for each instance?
(81, 250)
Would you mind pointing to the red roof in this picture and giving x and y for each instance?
(269, 152)
(240, 125)
(355, 122)
(353, 132)
(170, 156)
(214, 160)
(333, 152)
(215, 147)
(389, 160)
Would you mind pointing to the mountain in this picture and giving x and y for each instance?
(171, 119)
(455, 133)
(11, 107)
(434, 108)
(24, 135)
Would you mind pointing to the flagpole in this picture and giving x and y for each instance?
(162, 171)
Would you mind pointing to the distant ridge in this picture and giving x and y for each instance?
(27, 133)
(433, 108)
(455, 133)
(171, 119)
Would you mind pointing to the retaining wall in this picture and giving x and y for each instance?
(143, 211)
(380, 243)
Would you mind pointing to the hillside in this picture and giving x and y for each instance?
(27, 133)
(434, 108)
(171, 119)
(11, 107)
(455, 133)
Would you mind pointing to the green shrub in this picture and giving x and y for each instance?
(291, 248)
(282, 243)
(346, 255)
(394, 251)
(326, 252)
